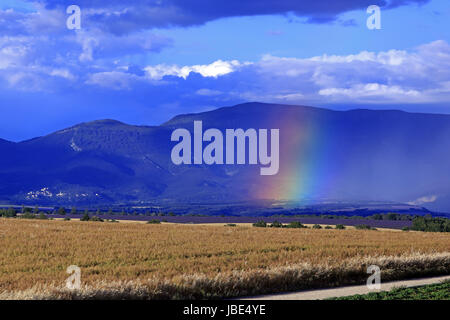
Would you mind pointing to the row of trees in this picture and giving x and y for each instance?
(62, 211)
(293, 224)
(431, 224)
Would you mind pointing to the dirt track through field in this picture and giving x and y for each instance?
(347, 291)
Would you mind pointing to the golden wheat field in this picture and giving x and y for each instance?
(144, 261)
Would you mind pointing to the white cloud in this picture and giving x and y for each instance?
(421, 75)
(391, 57)
(394, 76)
(208, 92)
(116, 80)
(13, 51)
(63, 73)
(423, 200)
(214, 70)
(371, 90)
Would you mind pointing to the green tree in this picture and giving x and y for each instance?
(296, 224)
(260, 224)
(276, 224)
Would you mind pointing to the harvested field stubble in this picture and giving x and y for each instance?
(182, 261)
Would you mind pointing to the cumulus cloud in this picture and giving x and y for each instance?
(214, 70)
(393, 76)
(422, 200)
(55, 57)
(38, 52)
(113, 79)
(372, 90)
(208, 92)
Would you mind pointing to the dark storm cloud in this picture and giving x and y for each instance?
(128, 16)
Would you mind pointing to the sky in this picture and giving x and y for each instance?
(145, 61)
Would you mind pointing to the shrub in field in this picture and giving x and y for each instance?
(154, 221)
(95, 218)
(405, 229)
(328, 227)
(296, 224)
(28, 215)
(276, 224)
(317, 226)
(340, 227)
(431, 224)
(364, 227)
(8, 213)
(260, 224)
(230, 225)
(66, 219)
(42, 216)
(85, 217)
(26, 209)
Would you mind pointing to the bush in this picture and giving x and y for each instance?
(154, 221)
(340, 227)
(317, 226)
(28, 215)
(95, 218)
(405, 229)
(276, 224)
(431, 224)
(42, 216)
(260, 224)
(66, 219)
(8, 213)
(26, 209)
(230, 225)
(11, 212)
(85, 217)
(328, 227)
(296, 224)
(364, 227)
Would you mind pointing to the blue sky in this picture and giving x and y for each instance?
(145, 61)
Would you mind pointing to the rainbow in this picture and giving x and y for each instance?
(305, 169)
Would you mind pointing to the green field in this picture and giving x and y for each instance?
(439, 291)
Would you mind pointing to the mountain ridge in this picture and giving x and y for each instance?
(386, 155)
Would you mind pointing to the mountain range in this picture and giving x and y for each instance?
(325, 156)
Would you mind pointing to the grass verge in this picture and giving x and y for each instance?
(439, 291)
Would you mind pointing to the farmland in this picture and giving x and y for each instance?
(391, 224)
(149, 261)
